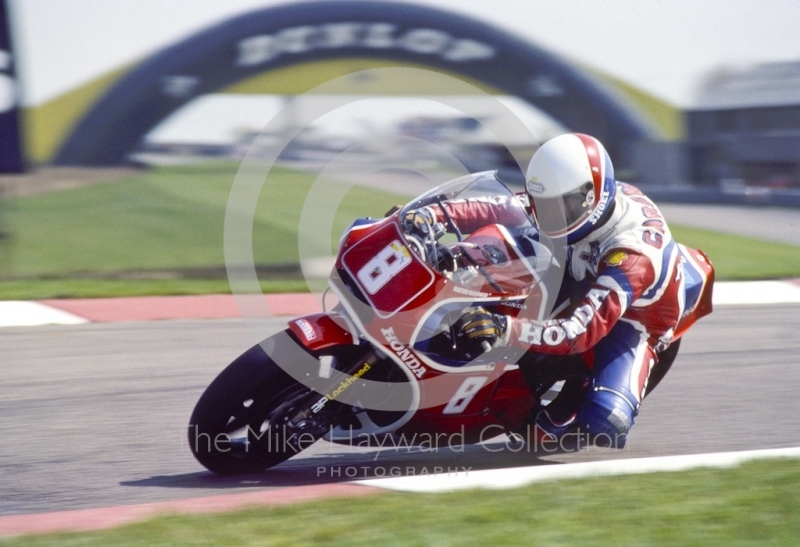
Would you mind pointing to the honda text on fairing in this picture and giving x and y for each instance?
(387, 362)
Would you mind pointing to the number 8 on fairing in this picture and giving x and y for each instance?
(464, 395)
(377, 272)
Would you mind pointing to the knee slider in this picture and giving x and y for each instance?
(608, 417)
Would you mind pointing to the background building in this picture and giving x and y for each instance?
(744, 130)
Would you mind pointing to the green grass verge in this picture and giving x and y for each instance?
(151, 233)
(144, 234)
(755, 504)
(742, 258)
(171, 218)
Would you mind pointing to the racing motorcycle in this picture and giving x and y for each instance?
(387, 362)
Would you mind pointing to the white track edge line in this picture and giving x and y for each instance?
(755, 292)
(461, 478)
(25, 313)
(21, 313)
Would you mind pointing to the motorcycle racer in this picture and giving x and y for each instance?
(620, 251)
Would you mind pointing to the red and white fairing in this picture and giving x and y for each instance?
(399, 304)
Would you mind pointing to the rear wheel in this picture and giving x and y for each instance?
(247, 418)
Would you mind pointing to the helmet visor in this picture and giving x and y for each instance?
(561, 214)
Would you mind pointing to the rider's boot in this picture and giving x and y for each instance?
(557, 421)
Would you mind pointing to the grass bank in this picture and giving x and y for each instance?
(161, 232)
(755, 504)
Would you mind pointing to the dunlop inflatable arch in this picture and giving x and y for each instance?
(246, 47)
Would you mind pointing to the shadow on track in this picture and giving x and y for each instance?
(350, 466)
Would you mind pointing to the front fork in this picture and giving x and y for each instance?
(314, 404)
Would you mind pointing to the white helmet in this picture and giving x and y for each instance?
(570, 183)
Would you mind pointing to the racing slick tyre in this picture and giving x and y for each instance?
(239, 424)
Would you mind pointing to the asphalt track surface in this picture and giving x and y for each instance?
(95, 415)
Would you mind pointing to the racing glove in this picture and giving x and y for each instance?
(419, 221)
(482, 329)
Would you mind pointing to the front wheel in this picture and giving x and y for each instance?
(250, 417)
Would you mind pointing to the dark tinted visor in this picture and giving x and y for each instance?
(564, 212)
